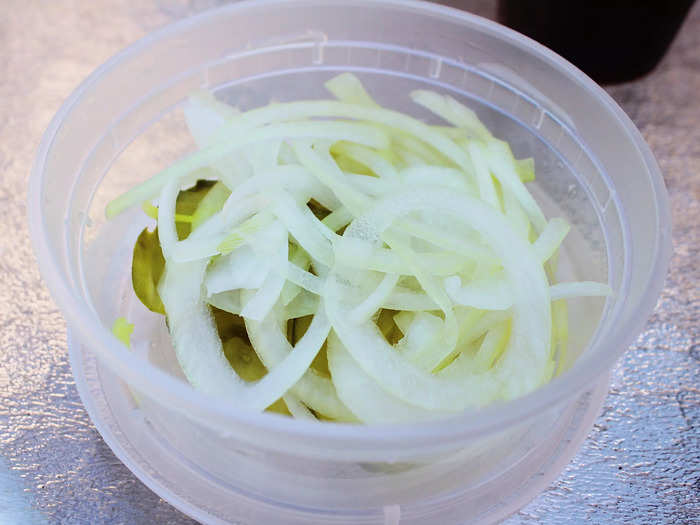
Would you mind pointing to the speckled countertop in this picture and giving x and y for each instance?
(641, 461)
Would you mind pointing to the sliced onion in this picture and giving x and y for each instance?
(434, 222)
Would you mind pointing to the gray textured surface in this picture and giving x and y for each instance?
(641, 461)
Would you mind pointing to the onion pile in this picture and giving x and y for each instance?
(414, 257)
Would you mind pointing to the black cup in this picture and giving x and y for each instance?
(611, 40)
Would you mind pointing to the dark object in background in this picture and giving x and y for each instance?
(610, 40)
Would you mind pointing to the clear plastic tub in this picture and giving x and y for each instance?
(124, 123)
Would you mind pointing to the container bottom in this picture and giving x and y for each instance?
(133, 440)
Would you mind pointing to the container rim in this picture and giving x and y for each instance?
(166, 389)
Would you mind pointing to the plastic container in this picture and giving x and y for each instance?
(223, 466)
